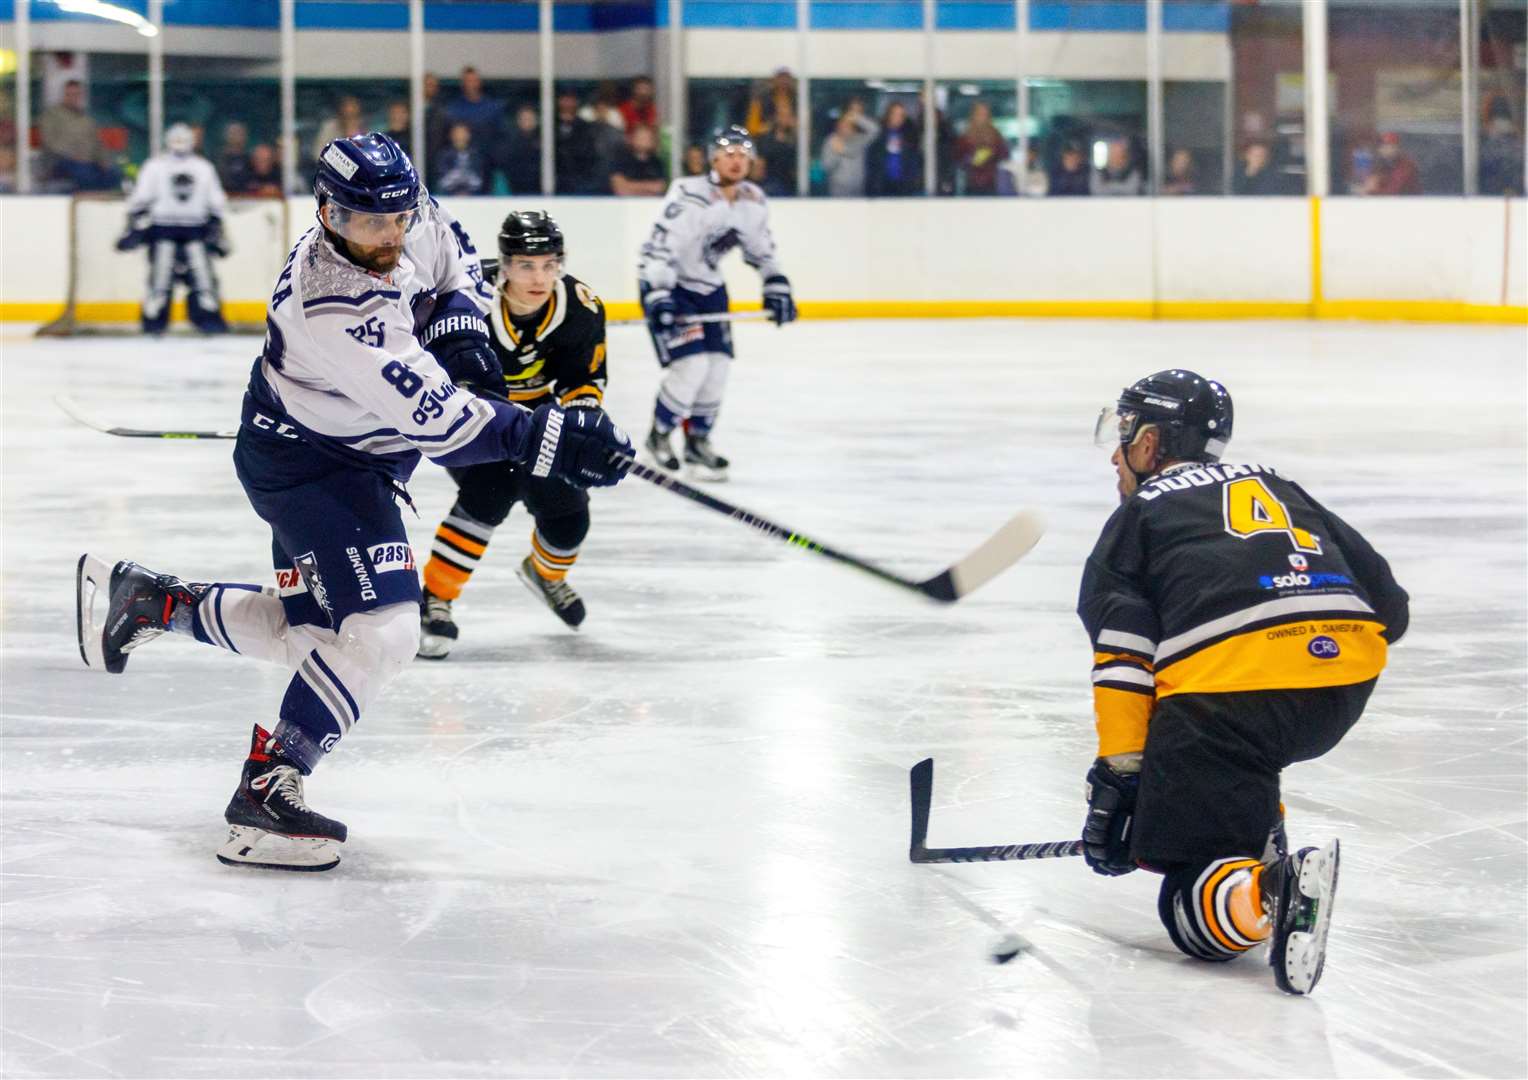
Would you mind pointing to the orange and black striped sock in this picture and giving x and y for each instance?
(459, 544)
(1218, 913)
(552, 563)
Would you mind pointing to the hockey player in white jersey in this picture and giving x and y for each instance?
(703, 218)
(176, 210)
(342, 401)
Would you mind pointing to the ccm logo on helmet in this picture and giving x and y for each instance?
(394, 194)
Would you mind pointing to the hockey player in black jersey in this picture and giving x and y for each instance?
(548, 332)
(1238, 626)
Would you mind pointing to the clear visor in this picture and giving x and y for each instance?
(734, 148)
(1115, 428)
(376, 230)
(529, 271)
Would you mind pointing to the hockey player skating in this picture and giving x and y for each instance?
(340, 405)
(548, 333)
(176, 211)
(1238, 626)
(703, 218)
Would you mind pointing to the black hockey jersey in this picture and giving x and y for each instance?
(556, 351)
(1217, 578)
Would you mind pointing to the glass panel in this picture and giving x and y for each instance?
(1502, 79)
(1194, 123)
(1087, 97)
(612, 138)
(766, 106)
(1266, 152)
(8, 178)
(1397, 98)
(978, 139)
(90, 110)
(340, 48)
(482, 98)
(847, 118)
(231, 98)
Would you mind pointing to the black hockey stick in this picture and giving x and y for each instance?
(75, 413)
(921, 781)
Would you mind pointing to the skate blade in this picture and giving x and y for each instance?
(647, 458)
(92, 582)
(705, 474)
(531, 587)
(434, 647)
(1305, 952)
(262, 850)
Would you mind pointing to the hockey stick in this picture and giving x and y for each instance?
(921, 781)
(1001, 550)
(700, 320)
(74, 412)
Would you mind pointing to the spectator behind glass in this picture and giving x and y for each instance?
(233, 158)
(637, 170)
(577, 156)
(522, 153)
(1395, 173)
(1182, 176)
(463, 168)
(1071, 176)
(694, 163)
(980, 150)
(75, 159)
(640, 110)
(771, 100)
(1255, 173)
(264, 177)
(398, 127)
(477, 110)
(1120, 175)
(7, 169)
(776, 148)
(436, 126)
(1501, 152)
(843, 152)
(894, 162)
(347, 120)
(609, 126)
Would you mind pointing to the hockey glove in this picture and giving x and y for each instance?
(658, 306)
(460, 343)
(1111, 813)
(132, 238)
(581, 446)
(216, 240)
(778, 300)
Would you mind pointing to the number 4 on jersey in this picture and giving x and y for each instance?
(1252, 510)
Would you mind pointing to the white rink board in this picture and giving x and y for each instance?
(674, 844)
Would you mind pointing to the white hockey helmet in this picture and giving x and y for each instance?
(179, 139)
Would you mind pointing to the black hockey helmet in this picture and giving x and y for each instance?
(726, 138)
(1192, 414)
(529, 232)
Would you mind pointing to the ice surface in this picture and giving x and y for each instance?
(674, 844)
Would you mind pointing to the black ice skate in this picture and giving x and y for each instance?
(135, 607)
(437, 630)
(557, 595)
(704, 462)
(658, 448)
(270, 825)
(1299, 892)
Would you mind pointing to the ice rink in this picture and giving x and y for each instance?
(674, 843)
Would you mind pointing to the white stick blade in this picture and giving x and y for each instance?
(1004, 548)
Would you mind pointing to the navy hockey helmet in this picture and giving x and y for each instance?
(529, 232)
(368, 174)
(724, 139)
(1192, 414)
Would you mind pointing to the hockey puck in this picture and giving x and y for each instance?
(1007, 947)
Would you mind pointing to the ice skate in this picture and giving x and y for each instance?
(270, 826)
(437, 630)
(1300, 891)
(119, 608)
(557, 595)
(703, 461)
(659, 450)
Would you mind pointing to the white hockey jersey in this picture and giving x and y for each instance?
(343, 368)
(176, 190)
(697, 227)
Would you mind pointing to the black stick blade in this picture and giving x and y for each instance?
(921, 785)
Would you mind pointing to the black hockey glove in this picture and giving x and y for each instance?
(1111, 813)
(132, 238)
(778, 300)
(216, 240)
(658, 306)
(466, 354)
(581, 446)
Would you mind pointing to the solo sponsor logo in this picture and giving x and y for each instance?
(1323, 648)
(388, 557)
(361, 576)
(1302, 581)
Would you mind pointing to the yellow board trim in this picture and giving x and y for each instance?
(1316, 296)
